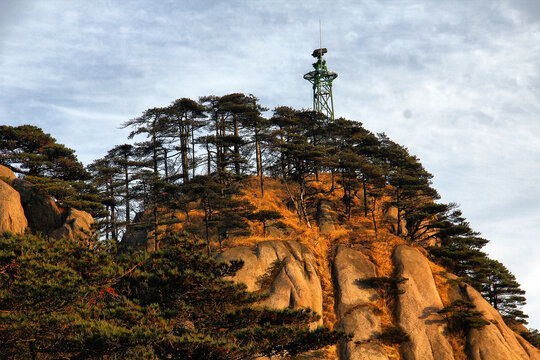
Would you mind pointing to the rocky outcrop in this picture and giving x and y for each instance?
(28, 207)
(277, 229)
(41, 211)
(390, 218)
(324, 217)
(77, 225)
(135, 237)
(11, 212)
(295, 282)
(6, 173)
(418, 307)
(355, 305)
(495, 341)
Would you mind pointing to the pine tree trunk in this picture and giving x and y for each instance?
(193, 151)
(373, 217)
(258, 155)
(126, 196)
(282, 157)
(155, 224)
(33, 353)
(236, 148)
(108, 222)
(165, 162)
(364, 187)
(206, 215)
(184, 151)
(208, 159)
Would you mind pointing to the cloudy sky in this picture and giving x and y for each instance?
(456, 82)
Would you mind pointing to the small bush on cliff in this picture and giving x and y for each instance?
(462, 316)
(388, 285)
(265, 281)
(263, 216)
(394, 335)
(532, 336)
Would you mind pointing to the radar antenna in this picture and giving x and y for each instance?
(321, 79)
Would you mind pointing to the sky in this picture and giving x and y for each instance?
(456, 82)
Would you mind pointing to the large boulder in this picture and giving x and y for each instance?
(77, 225)
(295, 282)
(390, 219)
(278, 229)
(355, 305)
(6, 173)
(11, 211)
(41, 211)
(495, 341)
(418, 308)
(324, 217)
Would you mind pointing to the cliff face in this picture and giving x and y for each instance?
(354, 273)
(337, 269)
(357, 306)
(21, 207)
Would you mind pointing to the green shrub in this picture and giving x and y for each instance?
(532, 336)
(387, 284)
(394, 335)
(461, 315)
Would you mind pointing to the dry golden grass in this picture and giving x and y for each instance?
(441, 282)
(359, 230)
(458, 344)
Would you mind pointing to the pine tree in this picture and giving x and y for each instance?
(308, 155)
(500, 288)
(67, 299)
(355, 150)
(263, 216)
(410, 182)
(224, 213)
(104, 175)
(460, 246)
(152, 157)
(284, 119)
(184, 117)
(123, 158)
(51, 168)
(27, 150)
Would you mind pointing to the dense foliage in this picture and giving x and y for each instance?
(52, 168)
(68, 299)
(462, 316)
(191, 156)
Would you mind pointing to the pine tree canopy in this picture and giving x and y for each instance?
(68, 299)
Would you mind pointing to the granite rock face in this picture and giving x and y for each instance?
(495, 341)
(324, 217)
(418, 307)
(296, 282)
(7, 173)
(11, 211)
(77, 225)
(355, 305)
(41, 211)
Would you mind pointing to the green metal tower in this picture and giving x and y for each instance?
(321, 79)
